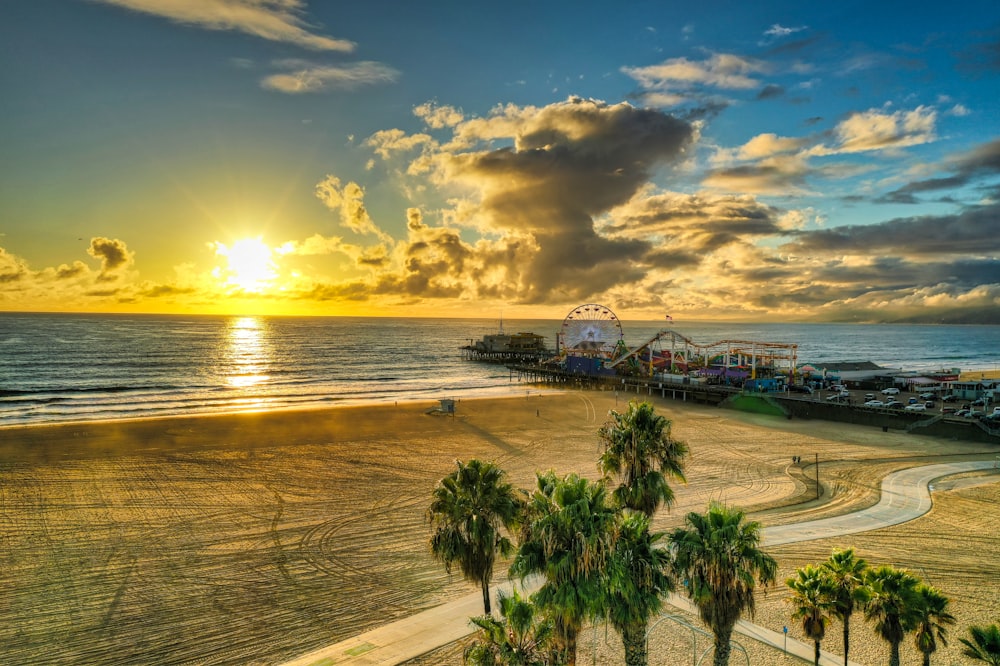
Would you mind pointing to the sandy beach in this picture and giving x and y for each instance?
(255, 538)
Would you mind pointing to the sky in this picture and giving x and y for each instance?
(765, 161)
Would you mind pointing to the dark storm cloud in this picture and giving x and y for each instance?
(570, 163)
(973, 231)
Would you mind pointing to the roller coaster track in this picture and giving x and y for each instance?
(745, 347)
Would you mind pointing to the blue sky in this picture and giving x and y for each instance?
(798, 161)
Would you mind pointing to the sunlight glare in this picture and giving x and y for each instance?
(250, 267)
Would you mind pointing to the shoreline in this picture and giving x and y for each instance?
(498, 392)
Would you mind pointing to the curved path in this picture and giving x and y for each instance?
(905, 496)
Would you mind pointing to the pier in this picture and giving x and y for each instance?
(776, 404)
(686, 392)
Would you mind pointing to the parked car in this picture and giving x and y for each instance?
(894, 404)
(892, 390)
(949, 398)
(979, 402)
(929, 404)
(869, 396)
(962, 412)
(948, 410)
(838, 397)
(996, 411)
(975, 414)
(915, 408)
(911, 401)
(874, 403)
(799, 388)
(927, 395)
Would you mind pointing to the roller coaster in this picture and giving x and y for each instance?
(673, 352)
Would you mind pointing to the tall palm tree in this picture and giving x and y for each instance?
(468, 509)
(523, 637)
(568, 538)
(847, 576)
(718, 554)
(638, 577)
(639, 451)
(893, 605)
(985, 644)
(812, 596)
(932, 621)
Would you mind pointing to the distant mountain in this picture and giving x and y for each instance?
(970, 316)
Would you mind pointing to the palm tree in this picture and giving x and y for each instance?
(985, 644)
(893, 605)
(639, 451)
(638, 577)
(847, 576)
(522, 638)
(469, 507)
(813, 598)
(719, 556)
(568, 538)
(932, 620)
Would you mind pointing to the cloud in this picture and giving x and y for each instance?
(694, 224)
(681, 76)
(777, 175)
(875, 130)
(274, 20)
(778, 30)
(348, 200)
(536, 198)
(970, 232)
(437, 116)
(308, 77)
(770, 91)
(981, 162)
(113, 254)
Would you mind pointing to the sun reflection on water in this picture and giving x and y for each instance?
(248, 353)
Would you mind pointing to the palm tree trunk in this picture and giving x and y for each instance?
(570, 645)
(634, 640)
(816, 653)
(847, 635)
(722, 649)
(927, 659)
(894, 655)
(486, 596)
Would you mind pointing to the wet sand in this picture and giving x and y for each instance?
(255, 538)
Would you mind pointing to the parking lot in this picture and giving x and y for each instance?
(896, 399)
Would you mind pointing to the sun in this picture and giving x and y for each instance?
(250, 265)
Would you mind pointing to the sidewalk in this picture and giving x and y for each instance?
(905, 496)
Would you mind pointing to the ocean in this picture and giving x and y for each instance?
(82, 367)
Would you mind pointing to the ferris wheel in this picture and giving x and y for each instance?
(591, 329)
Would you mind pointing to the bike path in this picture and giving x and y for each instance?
(905, 496)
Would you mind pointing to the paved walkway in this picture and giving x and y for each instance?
(905, 496)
